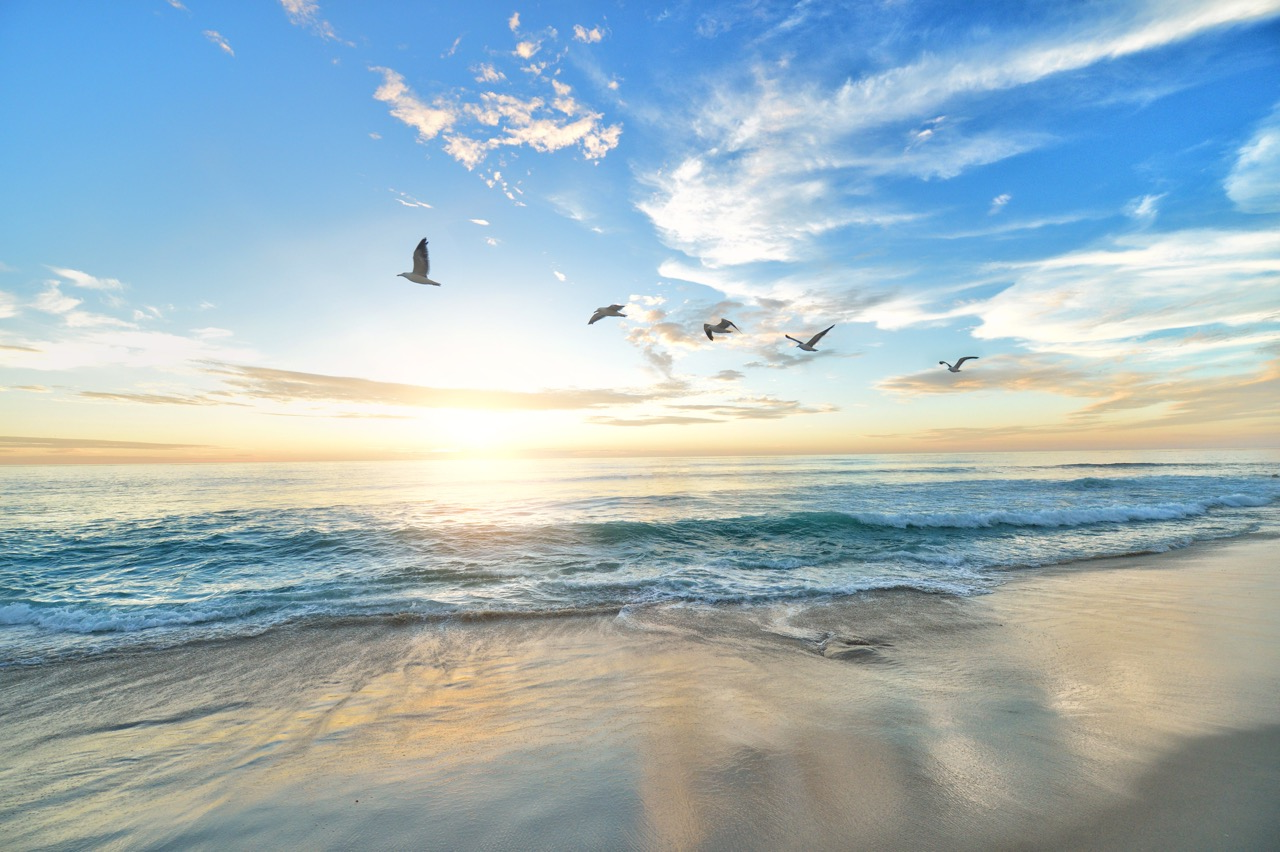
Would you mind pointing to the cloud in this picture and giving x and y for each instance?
(216, 37)
(483, 222)
(8, 305)
(54, 301)
(429, 121)
(1123, 399)
(99, 345)
(664, 420)
(781, 160)
(474, 124)
(1144, 209)
(588, 36)
(149, 398)
(33, 443)
(513, 23)
(1136, 286)
(1254, 182)
(755, 210)
(211, 333)
(559, 275)
(289, 386)
(306, 13)
(998, 203)
(408, 200)
(745, 408)
(85, 280)
(1012, 373)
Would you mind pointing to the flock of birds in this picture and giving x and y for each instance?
(422, 269)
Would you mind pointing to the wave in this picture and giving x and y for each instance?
(1116, 464)
(1061, 517)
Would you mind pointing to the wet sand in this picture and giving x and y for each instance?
(1120, 704)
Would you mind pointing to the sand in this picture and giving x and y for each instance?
(1120, 704)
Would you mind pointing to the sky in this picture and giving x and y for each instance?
(207, 206)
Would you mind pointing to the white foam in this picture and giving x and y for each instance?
(1059, 517)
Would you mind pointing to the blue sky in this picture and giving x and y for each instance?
(209, 204)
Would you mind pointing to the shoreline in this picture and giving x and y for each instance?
(1004, 578)
(1131, 702)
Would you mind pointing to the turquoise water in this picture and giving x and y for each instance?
(98, 558)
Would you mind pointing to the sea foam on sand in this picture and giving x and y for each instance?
(1118, 704)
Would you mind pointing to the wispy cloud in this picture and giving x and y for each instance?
(589, 36)
(54, 301)
(291, 386)
(38, 443)
(781, 160)
(474, 124)
(85, 280)
(216, 37)
(1254, 182)
(1136, 286)
(306, 13)
(428, 120)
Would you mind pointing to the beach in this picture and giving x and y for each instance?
(1129, 703)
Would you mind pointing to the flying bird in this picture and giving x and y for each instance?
(608, 311)
(421, 265)
(723, 327)
(808, 347)
(956, 368)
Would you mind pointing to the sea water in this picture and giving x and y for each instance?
(97, 559)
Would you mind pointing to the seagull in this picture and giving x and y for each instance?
(956, 368)
(421, 264)
(723, 327)
(608, 311)
(808, 347)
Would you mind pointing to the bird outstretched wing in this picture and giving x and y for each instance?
(966, 358)
(819, 335)
(421, 262)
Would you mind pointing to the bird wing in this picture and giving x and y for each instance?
(730, 324)
(421, 264)
(706, 326)
(789, 337)
(818, 336)
(597, 315)
(966, 358)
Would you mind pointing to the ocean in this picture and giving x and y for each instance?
(102, 559)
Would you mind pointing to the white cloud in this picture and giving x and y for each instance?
(306, 13)
(483, 222)
(998, 203)
(92, 345)
(87, 281)
(429, 121)
(54, 301)
(1144, 209)
(783, 159)
(1139, 285)
(486, 73)
(588, 36)
(559, 275)
(8, 305)
(211, 333)
(217, 38)
(753, 211)
(513, 23)
(1254, 183)
(496, 119)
